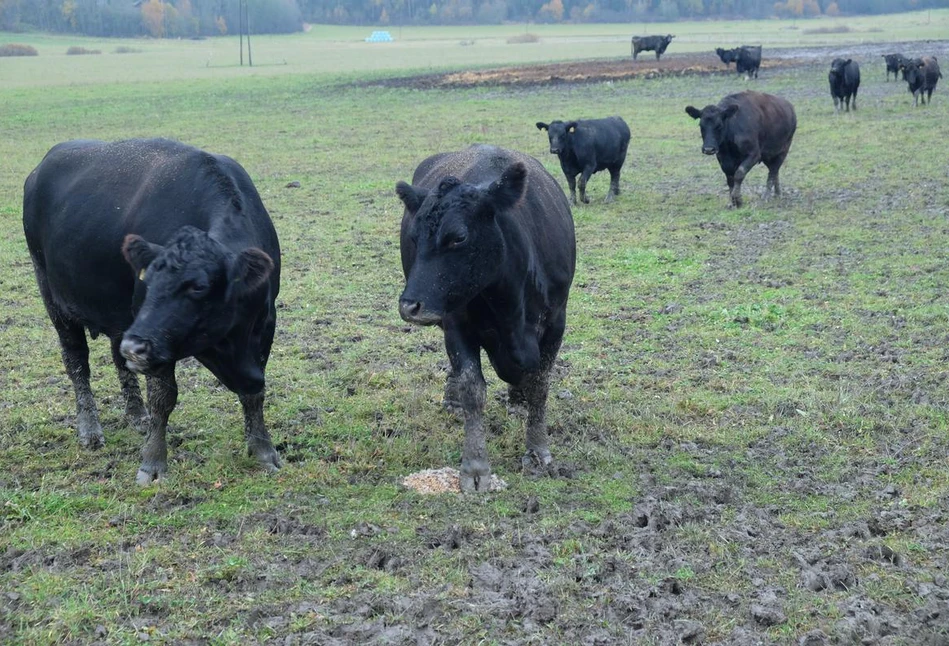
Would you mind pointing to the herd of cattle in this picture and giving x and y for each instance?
(922, 74)
(169, 251)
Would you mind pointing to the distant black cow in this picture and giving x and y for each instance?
(650, 43)
(921, 75)
(744, 129)
(728, 56)
(844, 79)
(893, 62)
(587, 147)
(748, 60)
(488, 252)
(169, 252)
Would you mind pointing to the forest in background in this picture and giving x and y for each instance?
(196, 18)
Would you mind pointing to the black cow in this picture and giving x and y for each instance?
(169, 252)
(744, 129)
(893, 62)
(749, 60)
(587, 147)
(844, 79)
(650, 43)
(488, 252)
(921, 75)
(728, 56)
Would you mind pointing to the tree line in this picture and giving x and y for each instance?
(194, 18)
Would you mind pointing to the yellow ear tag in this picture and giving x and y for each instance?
(141, 275)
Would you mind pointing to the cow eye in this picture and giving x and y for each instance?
(195, 290)
(457, 241)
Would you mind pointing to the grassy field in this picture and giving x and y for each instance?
(749, 413)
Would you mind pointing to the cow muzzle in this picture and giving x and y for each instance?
(554, 151)
(706, 150)
(414, 312)
(137, 353)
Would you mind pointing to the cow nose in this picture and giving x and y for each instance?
(135, 350)
(409, 309)
(555, 151)
(709, 151)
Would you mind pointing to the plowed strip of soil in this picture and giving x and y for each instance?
(590, 71)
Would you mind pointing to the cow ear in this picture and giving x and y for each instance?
(730, 111)
(139, 253)
(250, 270)
(693, 112)
(541, 125)
(509, 188)
(849, 61)
(571, 126)
(411, 197)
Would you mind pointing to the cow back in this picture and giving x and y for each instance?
(764, 119)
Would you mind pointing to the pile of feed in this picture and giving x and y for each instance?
(444, 480)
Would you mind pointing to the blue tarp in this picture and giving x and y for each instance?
(380, 37)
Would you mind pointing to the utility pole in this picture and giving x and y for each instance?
(240, 27)
(250, 58)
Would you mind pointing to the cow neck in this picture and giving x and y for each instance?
(231, 231)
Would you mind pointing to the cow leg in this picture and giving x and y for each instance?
(162, 397)
(259, 443)
(614, 184)
(75, 353)
(135, 414)
(854, 100)
(535, 387)
(657, 55)
(572, 183)
(743, 169)
(836, 105)
(584, 178)
(774, 166)
(464, 354)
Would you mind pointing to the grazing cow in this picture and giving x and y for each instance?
(728, 56)
(921, 75)
(587, 147)
(488, 253)
(744, 129)
(749, 60)
(169, 252)
(893, 62)
(650, 43)
(844, 78)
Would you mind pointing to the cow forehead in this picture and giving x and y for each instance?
(189, 250)
(435, 209)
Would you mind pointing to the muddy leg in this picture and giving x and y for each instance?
(135, 414)
(75, 350)
(614, 185)
(259, 444)
(584, 178)
(572, 183)
(536, 386)
(162, 397)
(464, 353)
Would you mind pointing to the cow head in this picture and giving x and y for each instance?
(459, 246)
(713, 121)
(837, 67)
(194, 284)
(912, 71)
(557, 132)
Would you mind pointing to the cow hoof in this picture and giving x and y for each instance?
(475, 476)
(271, 463)
(585, 200)
(91, 438)
(149, 474)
